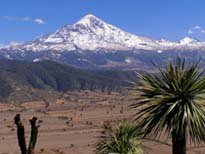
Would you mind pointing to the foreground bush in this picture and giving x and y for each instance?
(121, 138)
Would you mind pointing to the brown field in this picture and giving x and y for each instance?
(71, 125)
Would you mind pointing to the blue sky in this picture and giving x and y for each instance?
(23, 20)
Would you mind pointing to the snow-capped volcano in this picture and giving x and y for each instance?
(90, 33)
(93, 43)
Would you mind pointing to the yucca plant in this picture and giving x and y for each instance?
(21, 134)
(121, 138)
(173, 100)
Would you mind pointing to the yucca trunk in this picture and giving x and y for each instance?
(34, 134)
(21, 135)
(178, 143)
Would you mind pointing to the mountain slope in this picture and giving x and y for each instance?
(93, 43)
(89, 33)
(19, 76)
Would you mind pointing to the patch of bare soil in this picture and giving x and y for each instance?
(70, 125)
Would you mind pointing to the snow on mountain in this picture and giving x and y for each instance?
(187, 43)
(164, 44)
(92, 34)
(92, 43)
(188, 40)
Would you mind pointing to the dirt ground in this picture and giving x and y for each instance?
(71, 125)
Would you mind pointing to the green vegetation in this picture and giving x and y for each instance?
(173, 101)
(47, 75)
(5, 88)
(119, 139)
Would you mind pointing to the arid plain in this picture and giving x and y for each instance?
(71, 124)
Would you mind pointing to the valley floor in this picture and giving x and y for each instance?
(70, 125)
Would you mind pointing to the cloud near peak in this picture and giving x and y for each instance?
(196, 29)
(38, 21)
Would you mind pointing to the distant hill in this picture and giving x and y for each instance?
(21, 78)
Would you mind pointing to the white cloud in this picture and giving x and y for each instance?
(202, 31)
(190, 31)
(39, 21)
(14, 43)
(196, 29)
(25, 19)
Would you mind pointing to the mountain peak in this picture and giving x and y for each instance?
(93, 34)
(89, 18)
(188, 40)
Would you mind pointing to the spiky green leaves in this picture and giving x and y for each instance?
(173, 100)
(119, 139)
